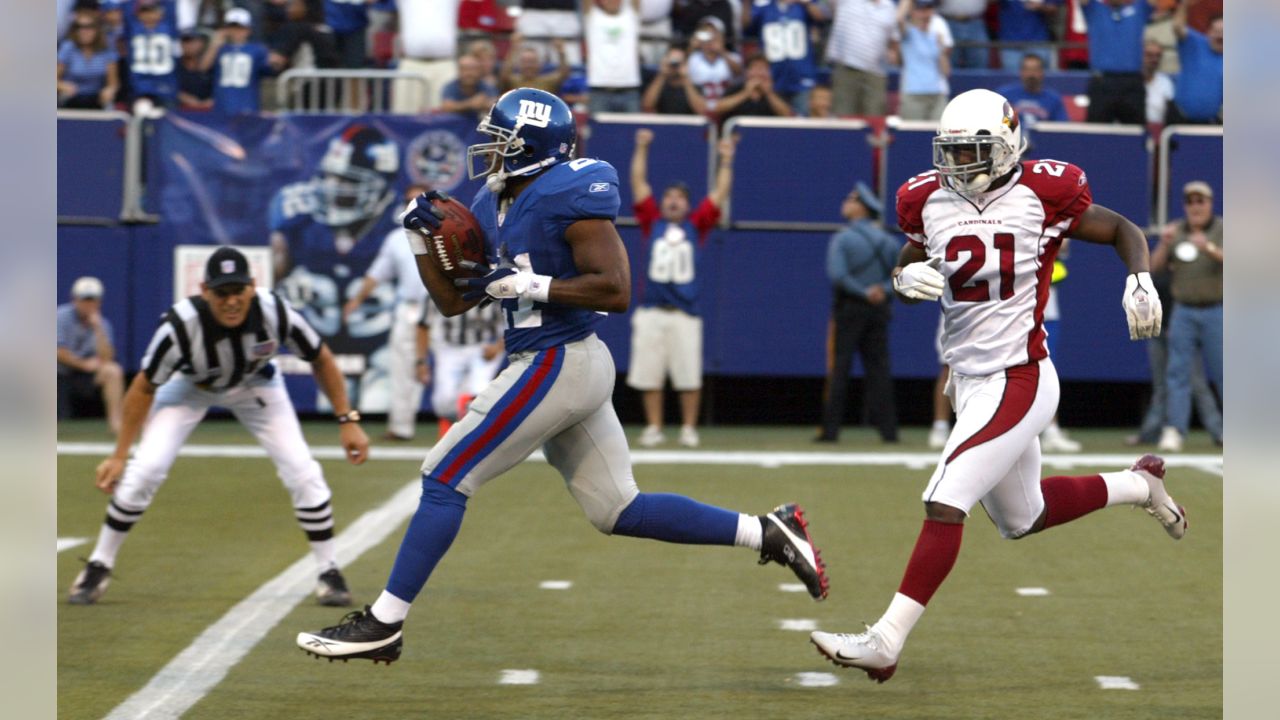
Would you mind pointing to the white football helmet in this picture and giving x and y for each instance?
(979, 141)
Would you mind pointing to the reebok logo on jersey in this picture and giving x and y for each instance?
(598, 187)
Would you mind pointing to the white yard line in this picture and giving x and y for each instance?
(1211, 464)
(69, 542)
(202, 665)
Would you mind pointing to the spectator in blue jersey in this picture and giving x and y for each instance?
(87, 73)
(195, 82)
(238, 65)
(151, 36)
(1117, 91)
(860, 262)
(469, 95)
(1026, 21)
(1197, 92)
(786, 30)
(666, 329)
(925, 49)
(1033, 101)
(348, 19)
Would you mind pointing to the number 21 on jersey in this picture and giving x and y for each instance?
(963, 287)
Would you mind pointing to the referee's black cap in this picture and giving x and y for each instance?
(226, 266)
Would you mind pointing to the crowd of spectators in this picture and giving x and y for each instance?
(1149, 61)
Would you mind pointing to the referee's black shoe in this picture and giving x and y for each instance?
(786, 541)
(90, 584)
(331, 589)
(359, 635)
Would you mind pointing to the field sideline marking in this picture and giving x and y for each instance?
(917, 461)
(195, 671)
(66, 543)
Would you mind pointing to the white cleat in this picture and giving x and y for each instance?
(938, 437)
(1159, 505)
(864, 651)
(651, 437)
(1057, 441)
(689, 437)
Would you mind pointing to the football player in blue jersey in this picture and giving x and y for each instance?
(325, 232)
(556, 264)
(151, 39)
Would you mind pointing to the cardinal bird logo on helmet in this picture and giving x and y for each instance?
(1010, 117)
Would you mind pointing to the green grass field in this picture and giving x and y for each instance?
(650, 630)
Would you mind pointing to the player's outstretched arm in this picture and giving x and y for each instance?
(604, 282)
(334, 387)
(137, 404)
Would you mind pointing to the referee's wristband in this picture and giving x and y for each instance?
(350, 416)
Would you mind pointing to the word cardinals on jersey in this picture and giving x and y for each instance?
(998, 250)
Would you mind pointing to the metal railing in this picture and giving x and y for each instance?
(327, 90)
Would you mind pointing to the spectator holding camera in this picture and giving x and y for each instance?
(712, 68)
(671, 92)
(756, 95)
(87, 73)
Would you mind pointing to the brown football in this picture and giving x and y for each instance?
(459, 238)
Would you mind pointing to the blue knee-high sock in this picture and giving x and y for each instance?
(677, 519)
(430, 533)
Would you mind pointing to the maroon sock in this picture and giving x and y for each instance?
(936, 551)
(1067, 498)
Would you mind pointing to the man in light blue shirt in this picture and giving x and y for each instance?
(860, 261)
(86, 354)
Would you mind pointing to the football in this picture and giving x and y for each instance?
(459, 238)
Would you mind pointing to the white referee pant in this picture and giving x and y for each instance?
(262, 406)
(406, 391)
(459, 370)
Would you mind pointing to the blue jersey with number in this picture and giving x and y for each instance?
(237, 76)
(346, 16)
(153, 66)
(531, 237)
(674, 254)
(328, 265)
(784, 40)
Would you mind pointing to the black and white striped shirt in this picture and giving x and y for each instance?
(190, 341)
(481, 325)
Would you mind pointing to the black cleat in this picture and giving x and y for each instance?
(90, 584)
(359, 635)
(786, 541)
(331, 589)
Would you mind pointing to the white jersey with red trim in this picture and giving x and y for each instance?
(997, 250)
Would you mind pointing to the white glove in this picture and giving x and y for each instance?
(1142, 307)
(920, 280)
(505, 283)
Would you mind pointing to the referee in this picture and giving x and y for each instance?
(216, 349)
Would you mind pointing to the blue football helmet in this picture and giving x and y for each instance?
(532, 130)
(356, 176)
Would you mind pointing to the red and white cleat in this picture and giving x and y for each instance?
(1159, 505)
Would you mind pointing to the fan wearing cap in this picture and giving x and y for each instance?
(86, 354)
(238, 64)
(860, 262)
(1191, 249)
(217, 349)
(711, 67)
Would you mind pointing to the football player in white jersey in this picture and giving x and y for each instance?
(983, 228)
